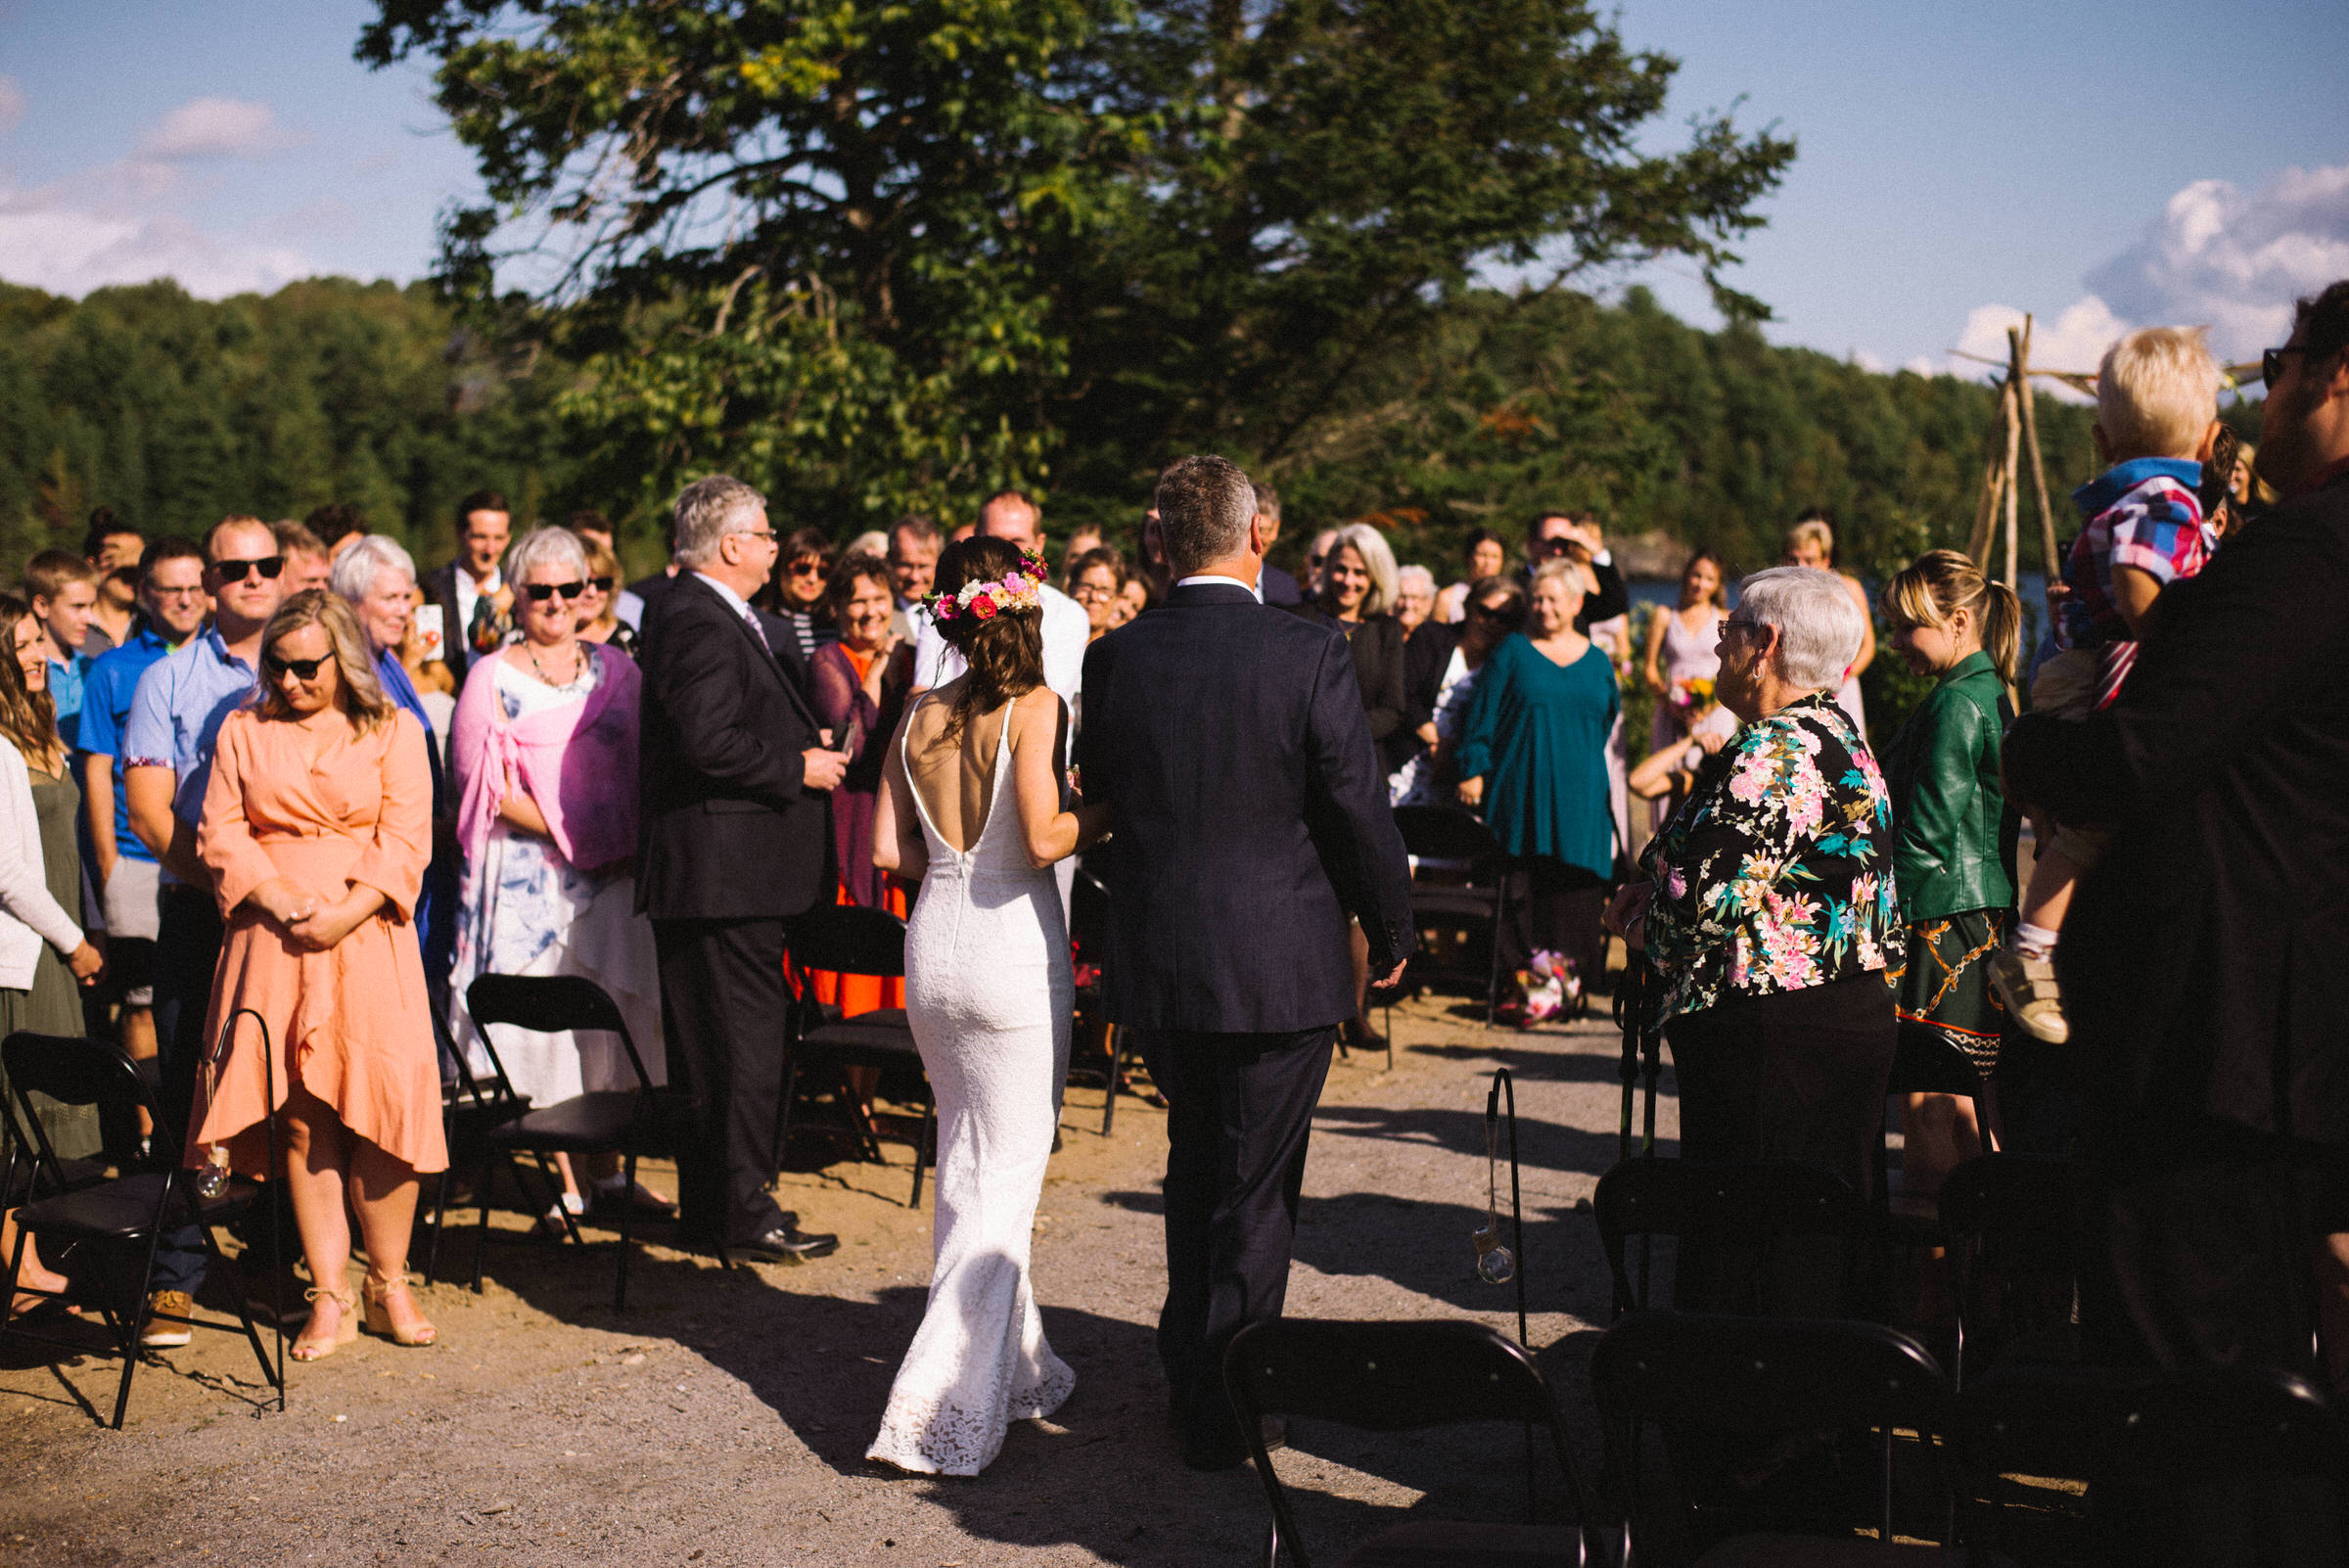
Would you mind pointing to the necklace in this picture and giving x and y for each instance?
(577, 661)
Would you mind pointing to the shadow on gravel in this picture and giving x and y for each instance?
(1540, 1146)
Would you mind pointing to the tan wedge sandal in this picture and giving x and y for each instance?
(379, 1314)
(346, 1327)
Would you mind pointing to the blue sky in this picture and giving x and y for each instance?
(2102, 164)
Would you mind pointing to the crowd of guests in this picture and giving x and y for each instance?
(280, 776)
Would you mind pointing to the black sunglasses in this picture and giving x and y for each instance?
(599, 585)
(306, 668)
(540, 592)
(268, 566)
(2271, 363)
(1489, 612)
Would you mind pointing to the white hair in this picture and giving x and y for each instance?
(1819, 627)
(1414, 576)
(707, 511)
(543, 547)
(364, 562)
(872, 542)
(1377, 558)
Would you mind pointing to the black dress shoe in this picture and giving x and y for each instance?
(785, 1244)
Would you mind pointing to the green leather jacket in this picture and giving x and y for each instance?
(1954, 832)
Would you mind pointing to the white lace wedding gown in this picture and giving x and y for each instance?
(989, 996)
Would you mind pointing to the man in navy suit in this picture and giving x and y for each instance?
(735, 839)
(1249, 821)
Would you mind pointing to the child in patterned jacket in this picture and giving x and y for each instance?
(2156, 418)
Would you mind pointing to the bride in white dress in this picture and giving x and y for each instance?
(971, 805)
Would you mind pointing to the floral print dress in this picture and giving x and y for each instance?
(1775, 875)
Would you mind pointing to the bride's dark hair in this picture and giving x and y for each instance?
(1006, 650)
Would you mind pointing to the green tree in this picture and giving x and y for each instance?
(871, 254)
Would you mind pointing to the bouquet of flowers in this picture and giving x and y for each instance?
(1693, 695)
(1550, 986)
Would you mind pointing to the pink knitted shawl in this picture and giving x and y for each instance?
(578, 762)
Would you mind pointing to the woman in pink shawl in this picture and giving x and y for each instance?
(545, 763)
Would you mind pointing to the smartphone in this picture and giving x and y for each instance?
(431, 632)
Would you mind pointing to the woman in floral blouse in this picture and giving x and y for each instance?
(1770, 911)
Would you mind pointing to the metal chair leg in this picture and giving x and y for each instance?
(628, 1217)
(1117, 1062)
(432, 1248)
(921, 1148)
(139, 1310)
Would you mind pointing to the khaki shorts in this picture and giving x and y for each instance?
(132, 900)
(2066, 687)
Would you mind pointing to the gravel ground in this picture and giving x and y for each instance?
(724, 1418)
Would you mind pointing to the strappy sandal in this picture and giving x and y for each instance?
(346, 1326)
(379, 1314)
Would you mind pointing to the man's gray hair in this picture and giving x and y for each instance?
(707, 511)
(546, 546)
(365, 560)
(1819, 627)
(1205, 505)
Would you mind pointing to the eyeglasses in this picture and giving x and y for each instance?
(162, 592)
(540, 592)
(599, 585)
(2271, 363)
(305, 668)
(768, 534)
(268, 566)
(1733, 623)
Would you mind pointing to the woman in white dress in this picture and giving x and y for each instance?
(545, 765)
(971, 808)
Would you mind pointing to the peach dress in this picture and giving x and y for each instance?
(322, 806)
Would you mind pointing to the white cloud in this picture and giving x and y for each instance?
(2216, 257)
(2235, 261)
(70, 248)
(217, 127)
(12, 104)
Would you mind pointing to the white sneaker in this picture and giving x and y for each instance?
(2027, 986)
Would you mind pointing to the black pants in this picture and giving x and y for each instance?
(1240, 1111)
(722, 1006)
(1797, 1076)
(187, 952)
(1554, 905)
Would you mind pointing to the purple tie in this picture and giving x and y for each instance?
(759, 631)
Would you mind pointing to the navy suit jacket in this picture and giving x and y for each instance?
(1248, 815)
(727, 830)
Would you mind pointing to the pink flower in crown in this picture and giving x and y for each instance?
(983, 607)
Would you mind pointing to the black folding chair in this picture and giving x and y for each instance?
(618, 1122)
(2009, 1218)
(1088, 924)
(1442, 838)
(852, 940)
(472, 1105)
(2212, 1464)
(1770, 1378)
(1397, 1377)
(1741, 1201)
(131, 1211)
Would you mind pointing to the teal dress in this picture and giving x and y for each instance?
(1537, 734)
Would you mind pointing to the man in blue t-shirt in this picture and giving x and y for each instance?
(124, 870)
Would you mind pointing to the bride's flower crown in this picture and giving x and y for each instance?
(1021, 588)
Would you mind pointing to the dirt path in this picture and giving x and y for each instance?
(723, 1418)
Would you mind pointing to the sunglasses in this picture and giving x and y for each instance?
(806, 569)
(268, 566)
(305, 668)
(2271, 363)
(1489, 612)
(599, 585)
(540, 592)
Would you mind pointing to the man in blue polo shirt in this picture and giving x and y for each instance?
(166, 757)
(123, 867)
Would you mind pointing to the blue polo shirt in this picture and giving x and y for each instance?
(176, 713)
(106, 694)
(66, 677)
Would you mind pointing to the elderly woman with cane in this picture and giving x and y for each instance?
(1769, 908)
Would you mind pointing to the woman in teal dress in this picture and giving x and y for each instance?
(1532, 755)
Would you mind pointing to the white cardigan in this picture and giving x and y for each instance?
(28, 915)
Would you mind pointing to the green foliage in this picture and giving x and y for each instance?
(177, 412)
(880, 253)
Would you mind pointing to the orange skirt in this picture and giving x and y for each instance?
(856, 994)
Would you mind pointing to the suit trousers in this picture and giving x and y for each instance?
(1240, 1112)
(723, 1002)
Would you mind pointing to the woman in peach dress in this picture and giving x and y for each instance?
(318, 826)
